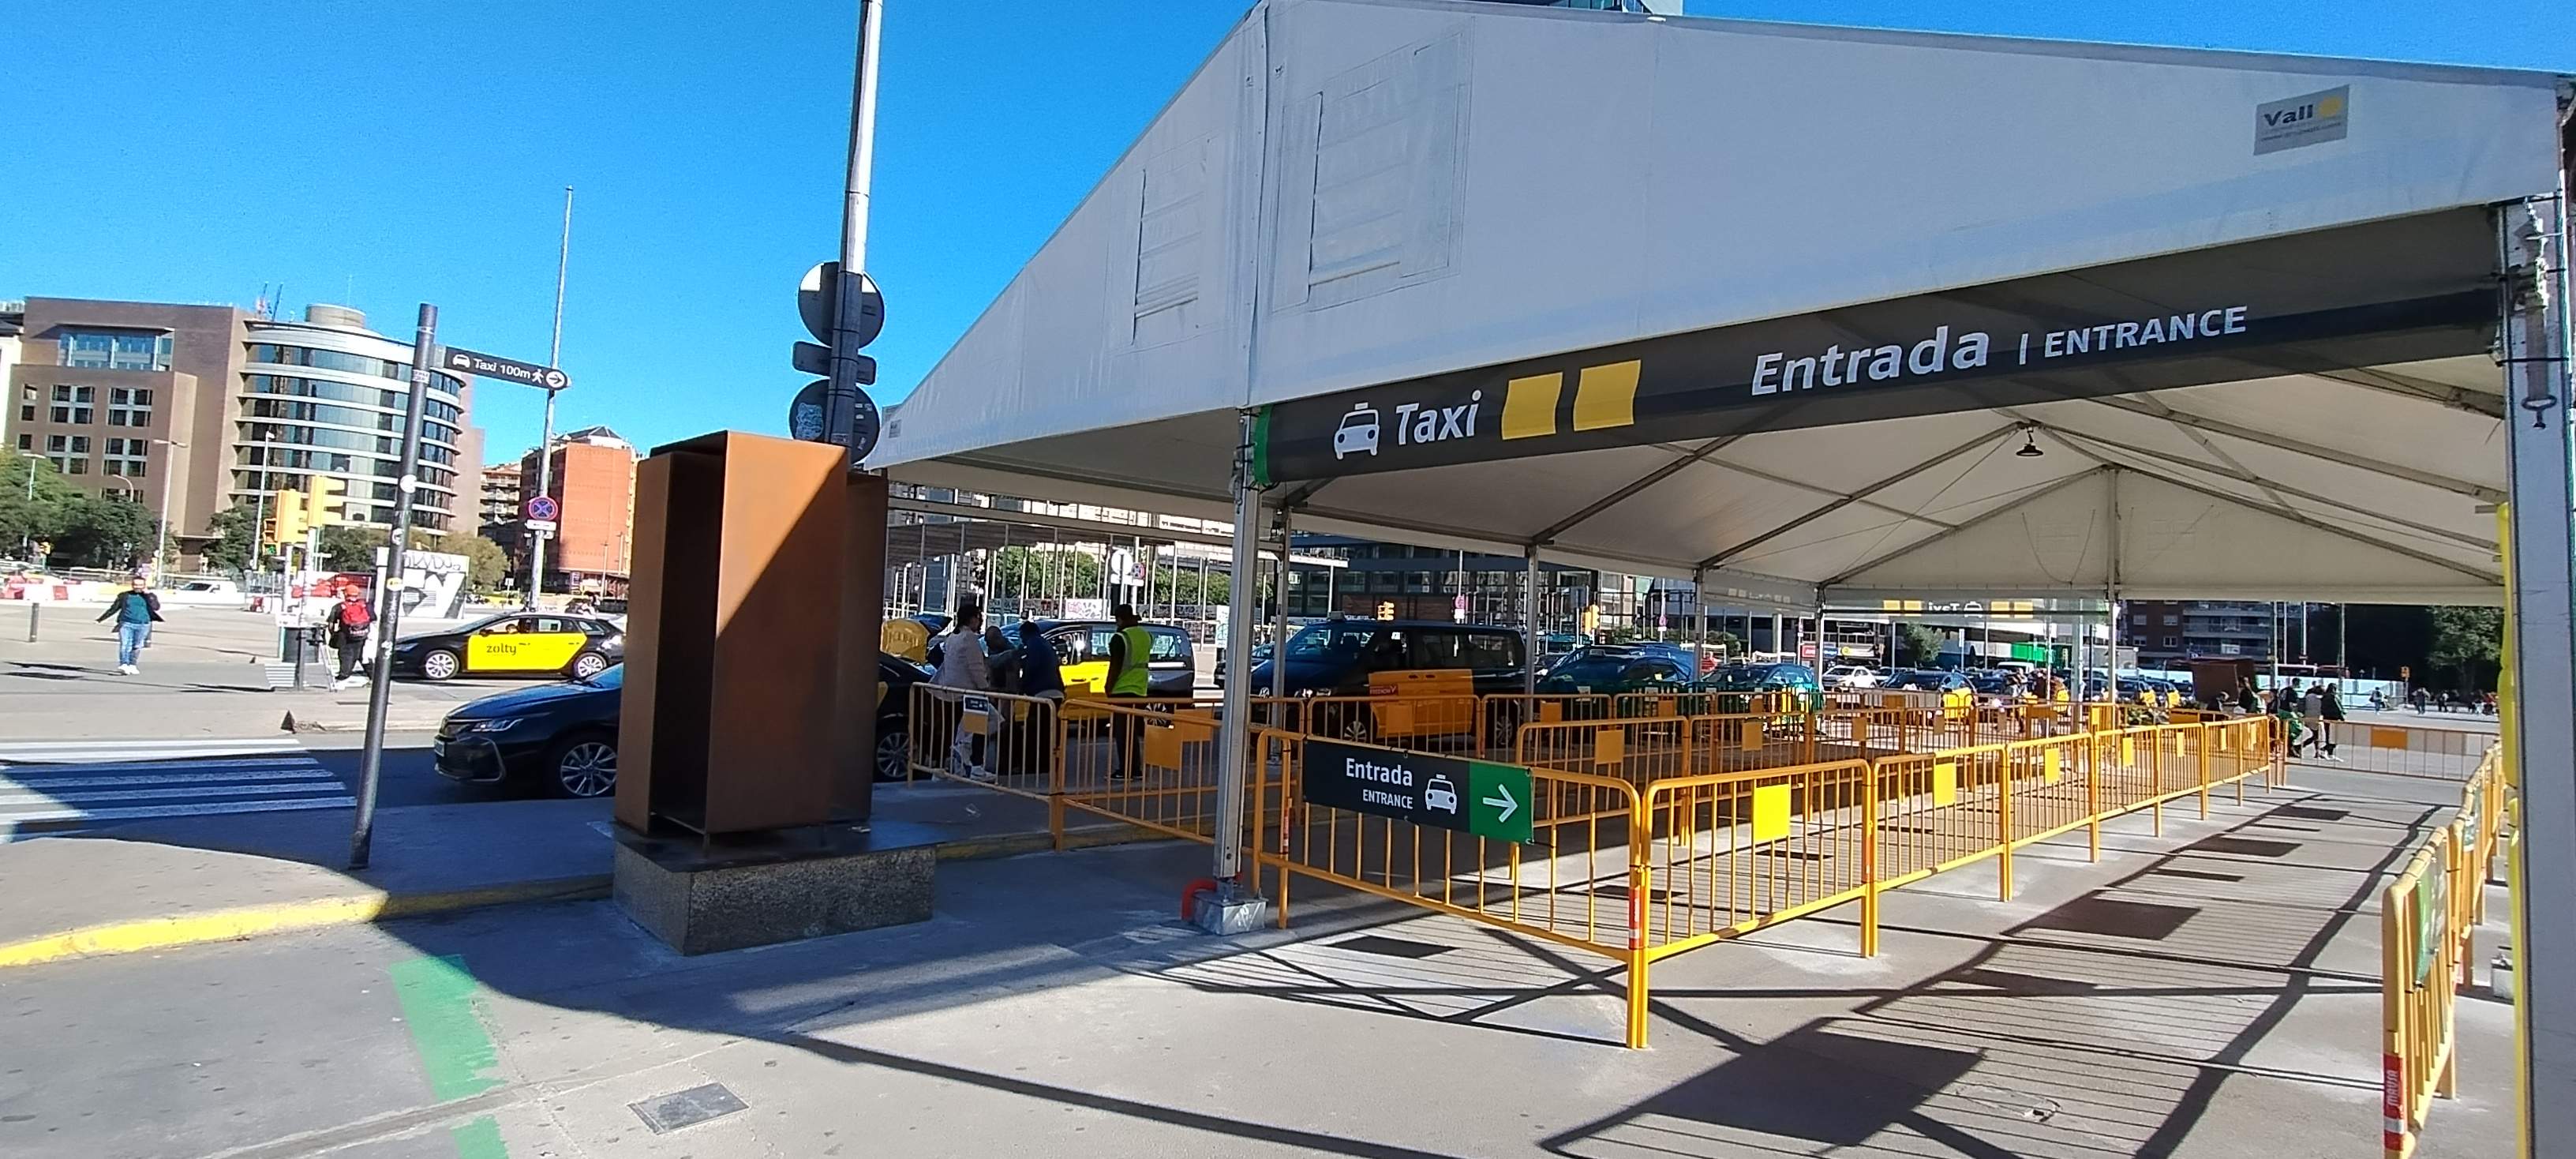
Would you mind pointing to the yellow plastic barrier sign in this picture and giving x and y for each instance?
(2050, 765)
(1770, 812)
(1945, 782)
(1609, 747)
(1751, 738)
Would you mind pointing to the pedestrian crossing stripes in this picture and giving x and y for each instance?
(66, 786)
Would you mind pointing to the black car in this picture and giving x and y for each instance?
(1337, 657)
(563, 737)
(515, 644)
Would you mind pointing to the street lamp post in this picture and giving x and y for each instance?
(161, 552)
(26, 536)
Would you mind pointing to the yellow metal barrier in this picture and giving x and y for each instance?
(1431, 723)
(1147, 763)
(1639, 752)
(2426, 919)
(2406, 750)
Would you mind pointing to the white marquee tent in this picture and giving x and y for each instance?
(1352, 193)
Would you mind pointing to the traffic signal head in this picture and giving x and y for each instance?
(288, 518)
(323, 497)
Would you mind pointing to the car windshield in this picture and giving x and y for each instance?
(1330, 641)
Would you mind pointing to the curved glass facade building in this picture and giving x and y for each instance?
(327, 396)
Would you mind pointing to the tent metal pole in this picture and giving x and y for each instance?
(1279, 629)
(1533, 644)
(1699, 610)
(2542, 619)
(1236, 904)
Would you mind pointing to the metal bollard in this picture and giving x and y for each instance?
(32, 609)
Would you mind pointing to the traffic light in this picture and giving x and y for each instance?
(323, 499)
(287, 518)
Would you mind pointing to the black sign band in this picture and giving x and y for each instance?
(2396, 291)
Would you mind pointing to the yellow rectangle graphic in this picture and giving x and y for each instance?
(1770, 812)
(2128, 751)
(1529, 405)
(1551, 712)
(1609, 747)
(2388, 738)
(1163, 747)
(1605, 396)
(1945, 782)
(2050, 766)
(1752, 736)
(1860, 730)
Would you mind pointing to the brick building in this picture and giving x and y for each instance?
(594, 484)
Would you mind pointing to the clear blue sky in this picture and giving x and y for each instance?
(390, 151)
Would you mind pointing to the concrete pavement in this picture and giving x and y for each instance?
(2209, 994)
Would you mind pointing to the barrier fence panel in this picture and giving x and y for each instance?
(1733, 852)
(1743, 742)
(2421, 928)
(1452, 724)
(1639, 751)
(1008, 742)
(2403, 750)
(1575, 882)
(1144, 762)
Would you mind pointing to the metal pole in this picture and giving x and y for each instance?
(380, 681)
(844, 383)
(1279, 631)
(2280, 640)
(546, 438)
(2536, 348)
(161, 553)
(1699, 634)
(1536, 645)
(1236, 765)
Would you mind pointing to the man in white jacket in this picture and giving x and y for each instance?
(962, 667)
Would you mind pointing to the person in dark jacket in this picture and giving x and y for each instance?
(135, 610)
(352, 621)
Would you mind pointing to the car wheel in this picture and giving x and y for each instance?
(583, 765)
(439, 664)
(1356, 724)
(589, 664)
(894, 754)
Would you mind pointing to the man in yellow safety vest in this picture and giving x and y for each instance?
(1131, 677)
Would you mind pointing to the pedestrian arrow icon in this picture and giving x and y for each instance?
(1503, 800)
(1504, 805)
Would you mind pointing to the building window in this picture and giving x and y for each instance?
(68, 453)
(102, 350)
(26, 412)
(72, 405)
(127, 457)
(2173, 641)
(26, 442)
(2171, 620)
(129, 406)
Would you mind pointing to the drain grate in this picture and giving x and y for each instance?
(667, 1113)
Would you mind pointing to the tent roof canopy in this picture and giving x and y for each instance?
(1570, 239)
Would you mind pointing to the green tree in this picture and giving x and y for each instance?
(98, 531)
(348, 548)
(2468, 642)
(485, 562)
(1917, 645)
(236, 528)
(32, 497)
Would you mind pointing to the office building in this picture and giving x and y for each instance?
(593, 484)
(2174, 630)
(213, 405)
(501, 494)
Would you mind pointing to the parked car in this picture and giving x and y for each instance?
(1605, 668)
(1850, 676)
(1082, 652)
(1797, 679)
(562, 738)
(1338, 657)
(514, 644)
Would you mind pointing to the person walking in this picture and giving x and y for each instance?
(350, 624)
(2312, 717)
(1131, 677)
(2330, 714)
(135, 610)
(963, 673)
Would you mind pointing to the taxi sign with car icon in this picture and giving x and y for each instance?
(1358, 432)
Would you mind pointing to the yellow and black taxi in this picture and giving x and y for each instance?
(515, 644)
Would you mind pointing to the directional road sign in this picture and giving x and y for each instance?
(541, 526)
(543, 507)
(1479, 797)
(483, 365)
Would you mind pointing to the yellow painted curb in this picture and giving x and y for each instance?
(237, 923)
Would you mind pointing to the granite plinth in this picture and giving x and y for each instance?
(702, 898)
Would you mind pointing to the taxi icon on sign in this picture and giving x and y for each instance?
(1441, 793)
(1358, 432)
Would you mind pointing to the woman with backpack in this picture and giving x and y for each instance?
(352, 621)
